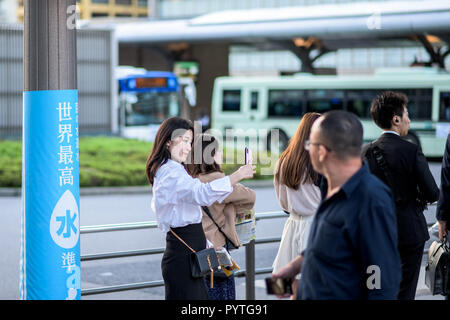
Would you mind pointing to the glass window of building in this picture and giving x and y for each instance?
(285, 103)
(99, 15)
(377, 57)
(142, 3)
(100, 1)
(231, 100)
(124, 2)
(360, 58)
(393, 57)
(344, 59)
(328, 60)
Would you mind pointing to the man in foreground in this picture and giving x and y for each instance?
(352, 246)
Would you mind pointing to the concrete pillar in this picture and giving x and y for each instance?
(50, 225)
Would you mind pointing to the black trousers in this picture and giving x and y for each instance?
(176, 268)
(411, 258)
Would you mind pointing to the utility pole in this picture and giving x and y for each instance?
(50, 226)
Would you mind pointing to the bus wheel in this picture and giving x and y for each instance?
(283, 140)
(413, 138)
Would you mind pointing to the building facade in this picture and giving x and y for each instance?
(97, 87)
(88, 9)
(247, 61)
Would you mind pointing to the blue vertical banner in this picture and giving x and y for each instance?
(50, 237)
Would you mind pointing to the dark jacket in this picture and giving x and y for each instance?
(443, 206)
(412, 180)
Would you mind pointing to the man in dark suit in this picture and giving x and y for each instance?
(443, 205)
(403, 167)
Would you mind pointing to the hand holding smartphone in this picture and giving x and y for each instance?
(248, 156)
(279, 286)
(246, 171)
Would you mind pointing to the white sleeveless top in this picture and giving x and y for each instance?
(301, 202)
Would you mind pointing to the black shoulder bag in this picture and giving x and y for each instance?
(201, 262)
(378, 156)
(229, 245)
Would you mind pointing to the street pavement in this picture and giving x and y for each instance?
(133, 205)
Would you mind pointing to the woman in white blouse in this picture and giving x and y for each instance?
(177, 200)
(296, 188)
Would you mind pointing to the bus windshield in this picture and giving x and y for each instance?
(146, 99)
(149, 107)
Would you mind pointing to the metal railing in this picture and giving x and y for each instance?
(249, 272)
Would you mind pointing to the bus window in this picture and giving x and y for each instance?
(444, 106)
(324, 100)
(285, 103)
(254, 100)
(231, 100)
(151, 108)
(359, 101)
(419, 103)
(146, 99)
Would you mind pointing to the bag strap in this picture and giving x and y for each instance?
(378, 156)
(181, 240)
(206, 209)
(207, 258)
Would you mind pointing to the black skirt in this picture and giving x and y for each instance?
(175, 264)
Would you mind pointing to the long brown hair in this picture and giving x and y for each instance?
(202, 155)
(159, 155)
(294, 161)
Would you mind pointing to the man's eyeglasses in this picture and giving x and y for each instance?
(308, 144)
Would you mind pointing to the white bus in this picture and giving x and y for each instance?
(248, 104)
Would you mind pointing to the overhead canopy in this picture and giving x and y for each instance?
(360, 24)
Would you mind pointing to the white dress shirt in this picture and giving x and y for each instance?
(389, 131)
(177, 197)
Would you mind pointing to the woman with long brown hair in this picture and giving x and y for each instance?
(219, 222)
(177, 198)
(296, 187)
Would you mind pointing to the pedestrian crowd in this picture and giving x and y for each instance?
(356, 227)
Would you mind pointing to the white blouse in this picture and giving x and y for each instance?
(177, 197)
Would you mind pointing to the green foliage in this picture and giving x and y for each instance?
(106, 161)
(110, 161)
(10, 163)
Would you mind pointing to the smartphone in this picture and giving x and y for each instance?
(278, 286)
(246, 155)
